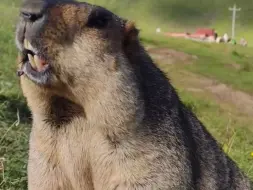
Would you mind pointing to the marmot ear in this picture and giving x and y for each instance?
(131, 33)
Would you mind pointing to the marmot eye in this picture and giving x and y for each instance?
(99, 18)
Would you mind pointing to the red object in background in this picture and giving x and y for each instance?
(205, 31)
(199, 33)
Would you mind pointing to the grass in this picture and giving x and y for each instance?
(227, 124)
(232, 132)
(14, 130)
(213, 61)
(216, 61)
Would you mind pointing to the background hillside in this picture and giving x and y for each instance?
(214, 80)
(182, 11)
(184, 15)
(180, 15)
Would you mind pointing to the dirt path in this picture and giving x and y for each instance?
(242, 101)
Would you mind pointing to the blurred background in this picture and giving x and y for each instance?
(205, 47)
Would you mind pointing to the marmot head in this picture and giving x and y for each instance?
(65, 43)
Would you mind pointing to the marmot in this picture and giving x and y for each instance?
(104, 116)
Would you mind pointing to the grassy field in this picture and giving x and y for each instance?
(227, 64)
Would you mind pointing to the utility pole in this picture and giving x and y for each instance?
(234, 9)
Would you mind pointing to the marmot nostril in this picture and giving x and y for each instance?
(30, 16)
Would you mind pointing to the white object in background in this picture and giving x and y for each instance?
(218, 40)
(158, 30)
(226, 38)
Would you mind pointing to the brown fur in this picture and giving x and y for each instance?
(89, 130)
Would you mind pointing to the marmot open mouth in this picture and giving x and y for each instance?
(35, 67)
(32, 57)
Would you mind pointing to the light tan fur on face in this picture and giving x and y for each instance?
(83, 153)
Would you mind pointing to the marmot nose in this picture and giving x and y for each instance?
(32, 17)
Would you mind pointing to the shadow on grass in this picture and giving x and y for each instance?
(14, 141)
(10, 106)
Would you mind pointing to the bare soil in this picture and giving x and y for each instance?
(170, 56)
(196, 83)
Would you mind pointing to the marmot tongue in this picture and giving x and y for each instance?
(36, 63)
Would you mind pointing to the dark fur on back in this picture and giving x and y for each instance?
(167, 118)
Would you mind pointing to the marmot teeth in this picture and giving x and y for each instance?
(32, 61)
(28, 45)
